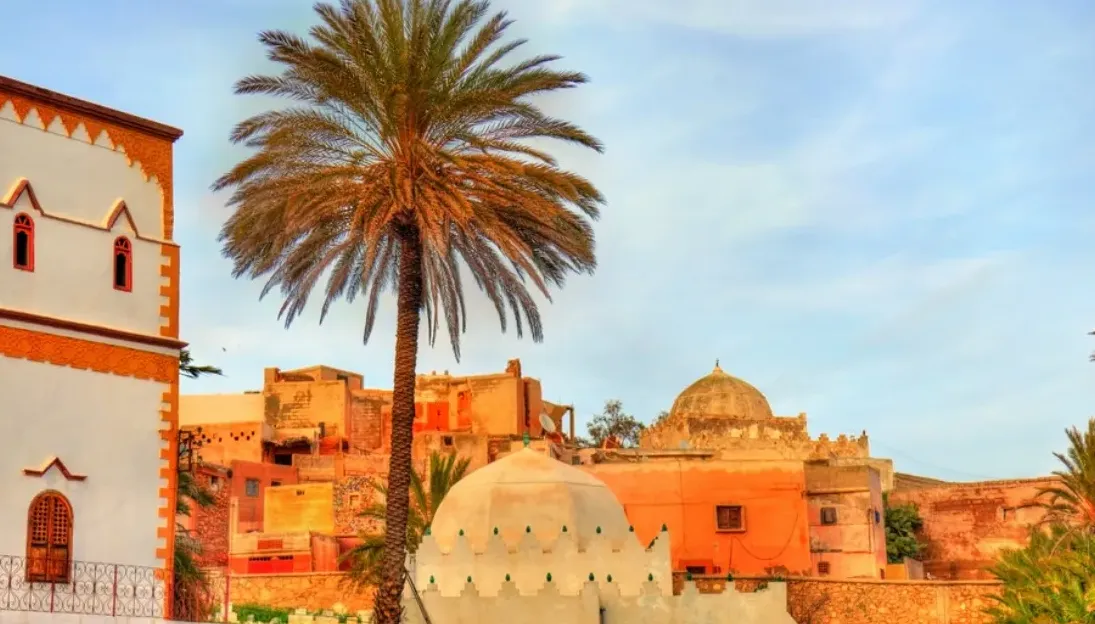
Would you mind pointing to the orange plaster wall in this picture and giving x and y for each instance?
(683, 496)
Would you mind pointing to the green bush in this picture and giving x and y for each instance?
(266, 614)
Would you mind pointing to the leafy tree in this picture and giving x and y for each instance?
(187, 367)
(404, 159)
(1071, 501)
(614, 422)
(365, 558)
(903, 522)
(1051, 581)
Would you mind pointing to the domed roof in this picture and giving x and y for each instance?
(719, 395)
(528, 489)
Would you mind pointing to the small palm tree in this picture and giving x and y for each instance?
(1051, 581)
(408, 161)
(189, 580)
(1072, 500)
(365, 558)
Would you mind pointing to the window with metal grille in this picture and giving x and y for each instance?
(251, 487)
(730, 518)
(23, 242)
(828, 515)
(49, 539)
(823, 568)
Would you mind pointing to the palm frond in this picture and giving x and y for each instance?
(409, 114)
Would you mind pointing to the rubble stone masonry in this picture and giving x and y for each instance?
(868, 601)
(809, 600)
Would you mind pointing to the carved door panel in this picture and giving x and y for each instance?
(49, 540)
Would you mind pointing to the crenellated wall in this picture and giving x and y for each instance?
(557, 582)
(528, 562)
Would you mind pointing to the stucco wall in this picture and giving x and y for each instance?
(105, 427)
(224, 443)
(855, 545)
(967, 524)
(80, 183)
(683, 496)
(251, 508)
(300, 508)
(214, 409)
(304, 404)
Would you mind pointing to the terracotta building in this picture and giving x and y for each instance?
(302, 454)
(89, 340)
(744, 491)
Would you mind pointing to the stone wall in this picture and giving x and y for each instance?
(351, 496)
(966, 525)
(211, 523)
(315, 591)
(868, 601)
(808, 600)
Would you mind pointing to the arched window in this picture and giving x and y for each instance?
(123, 264)
(23, 242)
(49, 539)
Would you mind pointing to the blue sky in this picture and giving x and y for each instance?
(879, 213)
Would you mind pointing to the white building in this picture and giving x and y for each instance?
(530, 539)
(89, 347)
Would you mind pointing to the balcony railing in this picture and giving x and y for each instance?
(89, 588)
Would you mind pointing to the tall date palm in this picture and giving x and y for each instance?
(411, 156)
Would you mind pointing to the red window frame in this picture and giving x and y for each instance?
(122, 247)
(23, 224)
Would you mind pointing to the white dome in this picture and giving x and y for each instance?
(528, 489)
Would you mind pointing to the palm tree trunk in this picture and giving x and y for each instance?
(387, 608)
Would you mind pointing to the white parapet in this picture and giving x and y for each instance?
(527, 564)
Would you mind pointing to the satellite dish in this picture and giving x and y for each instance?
(547, 423)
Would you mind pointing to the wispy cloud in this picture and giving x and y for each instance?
(877, 212)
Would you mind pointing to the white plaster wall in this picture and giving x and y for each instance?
(73, 272)
(73, 275)
(74, 177)
(103, 426)
(600, 604)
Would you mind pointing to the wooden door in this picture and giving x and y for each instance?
(49, 539)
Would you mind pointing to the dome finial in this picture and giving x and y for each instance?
(717, 364)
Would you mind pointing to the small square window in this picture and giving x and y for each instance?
(730, 518)
(828, 515)
(823, 568)
(251, 487)
(275, 483)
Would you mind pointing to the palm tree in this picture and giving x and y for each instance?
(366, 558)
(187, 367)
(189, 581)
(1072, 500)
(405, 160)
(1051, 581)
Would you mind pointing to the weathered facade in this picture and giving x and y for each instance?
(306, 452)
(967, 524)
